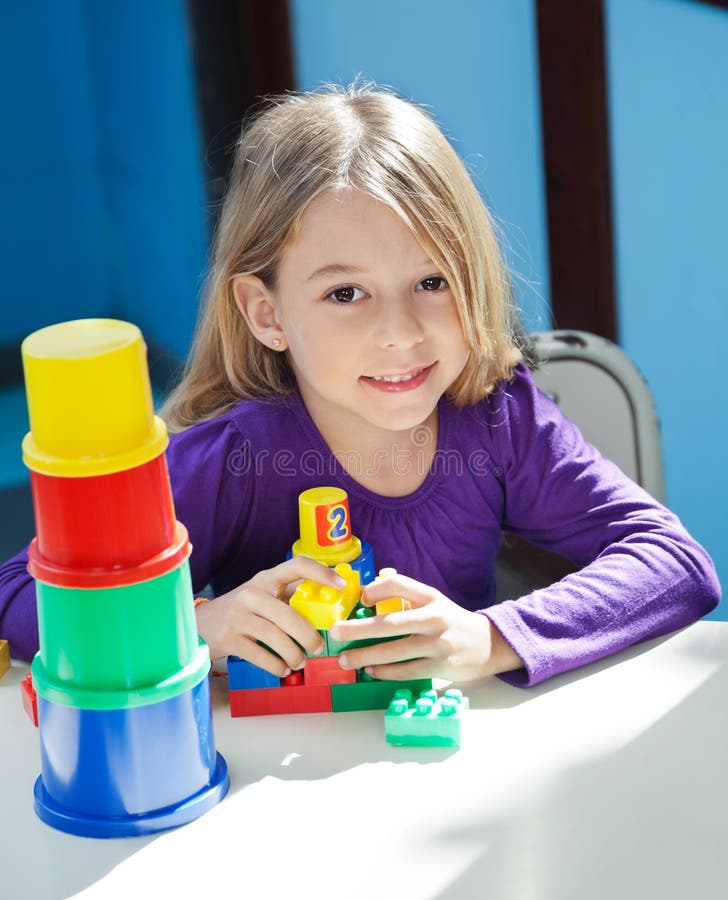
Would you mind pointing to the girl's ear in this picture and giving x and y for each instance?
(256, 305)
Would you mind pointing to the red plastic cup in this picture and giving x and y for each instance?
(104, 521)
(73, 577)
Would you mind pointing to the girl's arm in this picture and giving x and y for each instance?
(18, 614)
(643, 575)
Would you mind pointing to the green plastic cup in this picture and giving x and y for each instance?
(120, 638)
(89, 698)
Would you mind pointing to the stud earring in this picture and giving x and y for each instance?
(276, 343)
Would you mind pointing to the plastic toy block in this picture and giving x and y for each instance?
(372, 694)
(323, 605)
(326, 670)
(4, 657)
(392, 604)
(281, 701)
(244, 675)
(429, 721)
(325, 527)
(295, 679)
(333, 647)
(30, 698)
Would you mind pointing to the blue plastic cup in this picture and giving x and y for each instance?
(121, 772)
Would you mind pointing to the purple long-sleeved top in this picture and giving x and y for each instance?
(512, 462)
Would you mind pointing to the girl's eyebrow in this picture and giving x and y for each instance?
(334, 269)
(345, 269)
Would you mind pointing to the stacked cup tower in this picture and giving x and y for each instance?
(125, 723)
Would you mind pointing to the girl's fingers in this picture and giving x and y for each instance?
(414, 647)
(402, 671)
(247, 649)
(279, 643)
(290, 589)
(409, 621)
(375, 628)
(417, 593)
(277, 579)
(282, 628)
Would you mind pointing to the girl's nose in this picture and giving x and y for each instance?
(398, 326)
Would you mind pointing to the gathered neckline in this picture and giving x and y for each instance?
(350, 484)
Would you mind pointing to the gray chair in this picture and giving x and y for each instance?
(600, 389)
(598, 386)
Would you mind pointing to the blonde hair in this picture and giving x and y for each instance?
(298, 147)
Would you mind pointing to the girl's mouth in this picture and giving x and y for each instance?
(407, 381)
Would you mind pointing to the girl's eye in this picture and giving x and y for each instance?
(432, 283)
(346, 294)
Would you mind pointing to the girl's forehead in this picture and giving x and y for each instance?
(354, 223)
(340, 203)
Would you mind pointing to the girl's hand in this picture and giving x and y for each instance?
(441, 639)
(258, 610)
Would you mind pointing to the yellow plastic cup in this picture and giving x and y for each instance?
(89, 399)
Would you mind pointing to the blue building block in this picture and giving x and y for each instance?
(364, 564)
(430, 721)
(244, 675)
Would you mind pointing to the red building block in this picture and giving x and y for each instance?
(30, 699)
(284, 700)
(326, 670)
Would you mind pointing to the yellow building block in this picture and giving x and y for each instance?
(4, 657)
(392, 604)
(323, 605)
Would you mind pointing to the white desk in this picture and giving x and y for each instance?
(611, 782)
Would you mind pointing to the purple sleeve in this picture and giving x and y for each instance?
(643, 575)
(18, 615)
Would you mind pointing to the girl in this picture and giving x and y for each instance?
(359, 332)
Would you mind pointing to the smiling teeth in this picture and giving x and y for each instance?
(396, 378)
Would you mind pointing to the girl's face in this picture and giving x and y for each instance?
(371, 326)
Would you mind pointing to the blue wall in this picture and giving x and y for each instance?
(474, 65)
(52, 248)
(668, 83)
(104, 204)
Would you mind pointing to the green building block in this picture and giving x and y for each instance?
(333, 648)
(372, 693)
(430, 721)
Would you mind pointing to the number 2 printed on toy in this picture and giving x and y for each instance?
(332, 523)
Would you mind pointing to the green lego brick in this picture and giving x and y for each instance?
(333, 648)
(361, 612)
(430, 721)
(372, 694)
